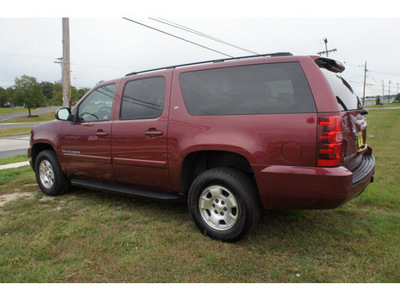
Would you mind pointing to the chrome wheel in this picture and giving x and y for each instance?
(46, 174)
(218, 207)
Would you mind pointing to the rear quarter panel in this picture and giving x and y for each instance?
(261, 139)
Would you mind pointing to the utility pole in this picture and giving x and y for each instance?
(383, 91)
(66, 68)
(389, 91)
(365, 81)
(326, 48)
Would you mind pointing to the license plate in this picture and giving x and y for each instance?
(360, 139)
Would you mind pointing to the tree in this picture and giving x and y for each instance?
(397, 98)
(3, 96)
(77, 94)
(47, 89)
(57, 94)
(378, 101)
(11, 95)
(29, 92)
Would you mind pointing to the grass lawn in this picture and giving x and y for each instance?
(87, 236)
(38, 118)
(9, 110)
(393, 104)
(14, 159)
(24, 130)
(15, 131)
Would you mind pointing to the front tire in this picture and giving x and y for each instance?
(49, 175)
(224, 204)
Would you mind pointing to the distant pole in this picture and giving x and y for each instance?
(326, 48)
(383, 91)
(66, 74)
(13, 109)
(365, 80)
(389, 91)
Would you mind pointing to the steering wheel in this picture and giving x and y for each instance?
(88, 113)
(104, 112)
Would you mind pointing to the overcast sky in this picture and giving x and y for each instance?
(108, 48)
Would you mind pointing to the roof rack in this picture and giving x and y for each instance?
(214, 61)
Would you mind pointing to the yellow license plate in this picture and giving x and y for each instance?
(360, 139)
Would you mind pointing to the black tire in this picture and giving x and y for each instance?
(224, 204)
(49, 175)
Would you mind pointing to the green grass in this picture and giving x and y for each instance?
(4, 132)
(9, 110)
(87, 236)
(15, 159)
(38, 118)
(393, 104)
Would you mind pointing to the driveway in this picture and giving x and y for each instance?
(14, 145)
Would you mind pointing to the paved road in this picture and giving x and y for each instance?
(40, 110)
(14, 145)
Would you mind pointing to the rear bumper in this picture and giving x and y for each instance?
(291, 187)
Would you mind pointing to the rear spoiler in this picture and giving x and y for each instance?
(329, 64)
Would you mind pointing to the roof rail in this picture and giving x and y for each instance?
(214, 61)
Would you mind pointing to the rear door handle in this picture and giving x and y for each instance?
(153, 132)
(101, 133)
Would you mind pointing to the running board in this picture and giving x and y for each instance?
(124, 189)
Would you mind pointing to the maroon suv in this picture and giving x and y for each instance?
(231, 136)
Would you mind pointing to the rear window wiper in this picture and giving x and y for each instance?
(341, 103)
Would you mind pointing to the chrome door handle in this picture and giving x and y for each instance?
(101, 133)
(153, 132)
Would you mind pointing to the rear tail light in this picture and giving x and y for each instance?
(330, 139)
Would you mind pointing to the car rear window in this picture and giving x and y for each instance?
(252, 89)
(345, 96)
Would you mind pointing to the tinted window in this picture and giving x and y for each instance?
(97, 106)
(347, 99)
(143, 98)
(254, 89)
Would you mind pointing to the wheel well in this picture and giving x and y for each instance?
(197, 162)
(37, 148)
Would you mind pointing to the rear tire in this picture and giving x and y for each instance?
(224, 204)
(49, 175)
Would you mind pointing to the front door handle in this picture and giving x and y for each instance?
(153, 132)
(101, 133)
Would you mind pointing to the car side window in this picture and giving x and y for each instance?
(143, 99)
(273, 88)
(97, 106)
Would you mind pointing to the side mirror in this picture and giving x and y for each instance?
(63, 114)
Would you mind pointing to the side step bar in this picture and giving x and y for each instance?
(124, 189)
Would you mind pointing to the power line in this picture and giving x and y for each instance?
(177, 37)
(176, 25)
(393, 74)
(346, 62)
